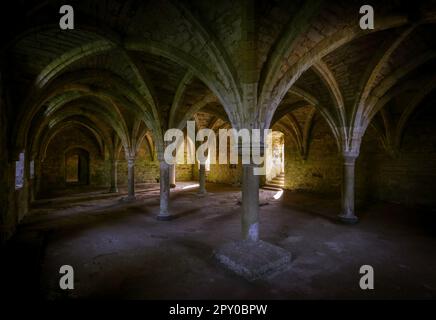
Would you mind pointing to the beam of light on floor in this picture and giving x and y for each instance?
(278, 195)
(191, 186)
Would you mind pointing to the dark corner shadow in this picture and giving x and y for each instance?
(43, 202)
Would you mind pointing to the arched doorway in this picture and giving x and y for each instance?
(276, 161)
(77, 167)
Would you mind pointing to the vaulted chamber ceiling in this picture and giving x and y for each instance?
(94, 103)
(161, 62)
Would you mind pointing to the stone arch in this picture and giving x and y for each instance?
(115, 117)
(47, 138)
(201, 71)
(273, 92)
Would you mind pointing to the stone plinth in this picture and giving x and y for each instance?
(253, 259)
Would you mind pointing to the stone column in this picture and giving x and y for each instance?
(131, 178)
(114, 176)
(250, 204)
(202, 179)
(347, 215)
(172, 176)
(164, 191)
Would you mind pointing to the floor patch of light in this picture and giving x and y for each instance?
(278, 195)
(191, 186)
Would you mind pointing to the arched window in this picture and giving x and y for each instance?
(19, 172)
(77, 166)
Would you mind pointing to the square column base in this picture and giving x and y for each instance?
(128, 199)
(166, 217)
(253, 259)
(347, 219)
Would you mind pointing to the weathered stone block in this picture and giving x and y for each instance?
(253, 259)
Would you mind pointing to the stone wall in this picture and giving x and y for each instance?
(408, 177)
(230, 174)
(53, 166)
(223, 173)
(14, 203)
(320, 172)
(7, 222)
(184, 172)
(146, 169)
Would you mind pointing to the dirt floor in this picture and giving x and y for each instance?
(119, 250)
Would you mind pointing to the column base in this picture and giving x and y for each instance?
(348, 219)
(128, 199)
(201, 194)
(172, 185)
(164, 217)
(253, 259)
(115, 190)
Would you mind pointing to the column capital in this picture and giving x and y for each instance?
(350, 157)
(130, 155)
(131, 160)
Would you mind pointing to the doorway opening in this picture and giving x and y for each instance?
(275, 173)
(77, 167)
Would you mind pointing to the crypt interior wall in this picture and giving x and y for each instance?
(197, 68)
(408, 176)
(320, 172)
(53, 166)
